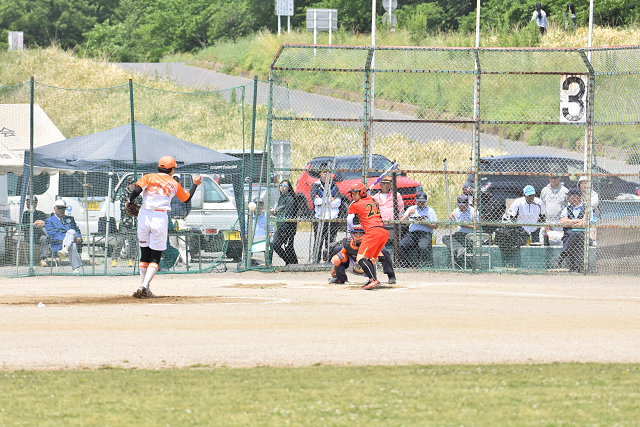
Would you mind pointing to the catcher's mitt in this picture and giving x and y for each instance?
(357, 269)
(132, 208)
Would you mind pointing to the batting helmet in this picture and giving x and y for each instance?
(167, 162)
(360, 188)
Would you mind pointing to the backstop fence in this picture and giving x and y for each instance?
(469, 128)
(478, 123)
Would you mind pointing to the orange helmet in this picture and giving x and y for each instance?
(358, 187)
(167, 162)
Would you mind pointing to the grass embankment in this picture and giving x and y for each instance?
(489, 395)
(206, 118)
(511, 98)
(254, 53)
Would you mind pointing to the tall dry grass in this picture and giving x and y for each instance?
(254, 53)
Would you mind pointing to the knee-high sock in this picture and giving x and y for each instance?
(368, 268)
(142, 266)
(151, 271)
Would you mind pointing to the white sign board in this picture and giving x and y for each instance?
(284, 7)
(392, 3)
(322, 17)
(390, 19)
(16, 40)
(573, 98)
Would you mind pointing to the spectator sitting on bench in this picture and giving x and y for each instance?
(573, 219)
(64, 234)
(39, 235)
(458, 242)
(417, 243)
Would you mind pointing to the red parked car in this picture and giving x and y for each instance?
(407, 187)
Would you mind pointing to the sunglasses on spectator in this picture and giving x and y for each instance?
(555, 177)
(284, 185)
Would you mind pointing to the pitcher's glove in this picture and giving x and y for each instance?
(132, 208)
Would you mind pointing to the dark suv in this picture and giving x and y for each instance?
(496, 189)
(407, 187)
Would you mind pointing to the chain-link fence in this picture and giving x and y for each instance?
(70, 158)
(473, 129)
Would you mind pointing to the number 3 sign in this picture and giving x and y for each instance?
(573, 98)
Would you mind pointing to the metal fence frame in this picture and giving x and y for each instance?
(367, 68)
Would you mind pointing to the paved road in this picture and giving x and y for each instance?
(325, 106)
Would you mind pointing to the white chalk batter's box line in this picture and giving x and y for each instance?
(526, 294)
(517, 294)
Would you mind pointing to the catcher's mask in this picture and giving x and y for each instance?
(357, 233)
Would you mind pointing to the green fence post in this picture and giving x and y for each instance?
(133, 132)
(250, 181)
(267, 253)
(31, 204)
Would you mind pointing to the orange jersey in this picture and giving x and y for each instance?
(368, 212)
(159, 189)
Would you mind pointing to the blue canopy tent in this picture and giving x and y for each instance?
(111, 151)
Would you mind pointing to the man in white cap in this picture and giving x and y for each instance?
(64, 235)
(528, 209)
(554, 197)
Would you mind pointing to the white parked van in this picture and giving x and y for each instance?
(212, 212)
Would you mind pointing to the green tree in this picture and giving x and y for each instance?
(45, 21)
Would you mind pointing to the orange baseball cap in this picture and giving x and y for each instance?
(167, 162)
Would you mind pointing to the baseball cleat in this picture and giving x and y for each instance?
(148, 294)
(335, 281)
(139, 293)
(392, 280)
(371, 285)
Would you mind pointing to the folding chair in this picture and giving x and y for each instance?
(482, 245)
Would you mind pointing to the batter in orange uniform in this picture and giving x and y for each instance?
(157, 191)
(375, 235)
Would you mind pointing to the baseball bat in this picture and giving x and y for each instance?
(381, 177)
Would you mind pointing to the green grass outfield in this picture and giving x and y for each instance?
(452, 395)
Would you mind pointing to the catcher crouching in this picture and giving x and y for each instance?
(345, 255)
(157, 191)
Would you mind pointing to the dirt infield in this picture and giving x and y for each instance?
(297, 319)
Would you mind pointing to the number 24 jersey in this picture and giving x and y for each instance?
(368, 212)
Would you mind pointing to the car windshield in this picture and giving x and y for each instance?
(378, 162)
(95, 183)
(212, 191)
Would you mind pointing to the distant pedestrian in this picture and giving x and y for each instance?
(286, 232)
(571, 10)
(540, 17)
